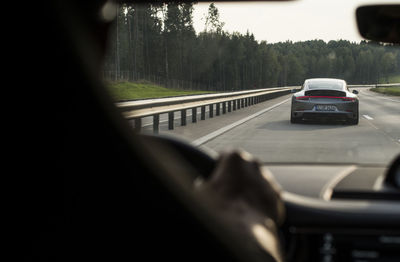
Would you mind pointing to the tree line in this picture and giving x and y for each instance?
(157, 42)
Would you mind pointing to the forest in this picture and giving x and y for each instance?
(157, 42)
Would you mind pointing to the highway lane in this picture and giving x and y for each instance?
(316, 152)
(272, 138)
(383, 112)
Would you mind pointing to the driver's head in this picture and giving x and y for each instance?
(86, 23)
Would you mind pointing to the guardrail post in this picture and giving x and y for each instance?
(156, 123)
(218, 109)
(138, 124)
(194, 114)
(234, 104)
(211, 111)
(203, 113)
(183, 117)
(246, 101)
(229, 106)
(171, 120)
(223, 107)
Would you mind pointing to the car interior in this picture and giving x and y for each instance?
(99, 191)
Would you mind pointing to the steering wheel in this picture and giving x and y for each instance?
(301, 211)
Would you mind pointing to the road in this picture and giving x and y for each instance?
(273, 139)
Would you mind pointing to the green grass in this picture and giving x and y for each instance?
(389, 80)
(141, 90)
(394, 91)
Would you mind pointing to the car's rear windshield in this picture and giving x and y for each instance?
(325, 85)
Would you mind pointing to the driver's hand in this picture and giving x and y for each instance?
(249, 199)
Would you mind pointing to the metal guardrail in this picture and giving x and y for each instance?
(225, 102)
(375, 85)
(388, 85)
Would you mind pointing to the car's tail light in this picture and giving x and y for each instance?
(351, 99)
(302, 97)
(343, 98)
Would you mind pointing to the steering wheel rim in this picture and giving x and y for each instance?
(302, 211)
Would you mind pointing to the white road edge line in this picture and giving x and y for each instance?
(368, 117)
(222, 130)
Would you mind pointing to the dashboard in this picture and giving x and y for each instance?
(339, 212)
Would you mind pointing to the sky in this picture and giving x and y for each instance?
(302, 19)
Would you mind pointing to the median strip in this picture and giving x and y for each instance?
(220, 131)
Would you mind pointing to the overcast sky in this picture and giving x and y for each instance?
(302, 19)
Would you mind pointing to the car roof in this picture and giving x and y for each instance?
(325, 79)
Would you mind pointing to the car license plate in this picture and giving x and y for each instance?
(325, 108)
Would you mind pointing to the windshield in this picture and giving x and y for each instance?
(324, 84)
(161, 54)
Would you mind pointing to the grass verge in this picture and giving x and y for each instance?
(394, 91)
(129, 91)
(390, 79)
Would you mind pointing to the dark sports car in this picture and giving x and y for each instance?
(325, 98)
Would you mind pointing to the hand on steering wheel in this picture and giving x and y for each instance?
(248, 198)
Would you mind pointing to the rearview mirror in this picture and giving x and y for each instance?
(379, 23)
(355, 92)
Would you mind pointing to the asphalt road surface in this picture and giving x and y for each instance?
(270, 136)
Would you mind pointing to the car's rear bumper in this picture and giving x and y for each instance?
(310, 114)
(307, 110)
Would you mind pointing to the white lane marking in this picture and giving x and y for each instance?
(368, 117)
(397, 101)
(222, 130)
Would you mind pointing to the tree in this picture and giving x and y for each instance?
(212, 20)
(388, 64)
(158, 39)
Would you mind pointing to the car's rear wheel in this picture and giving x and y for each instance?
(294, 120)
(353, 121)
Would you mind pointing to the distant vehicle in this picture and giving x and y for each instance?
(325, 98)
